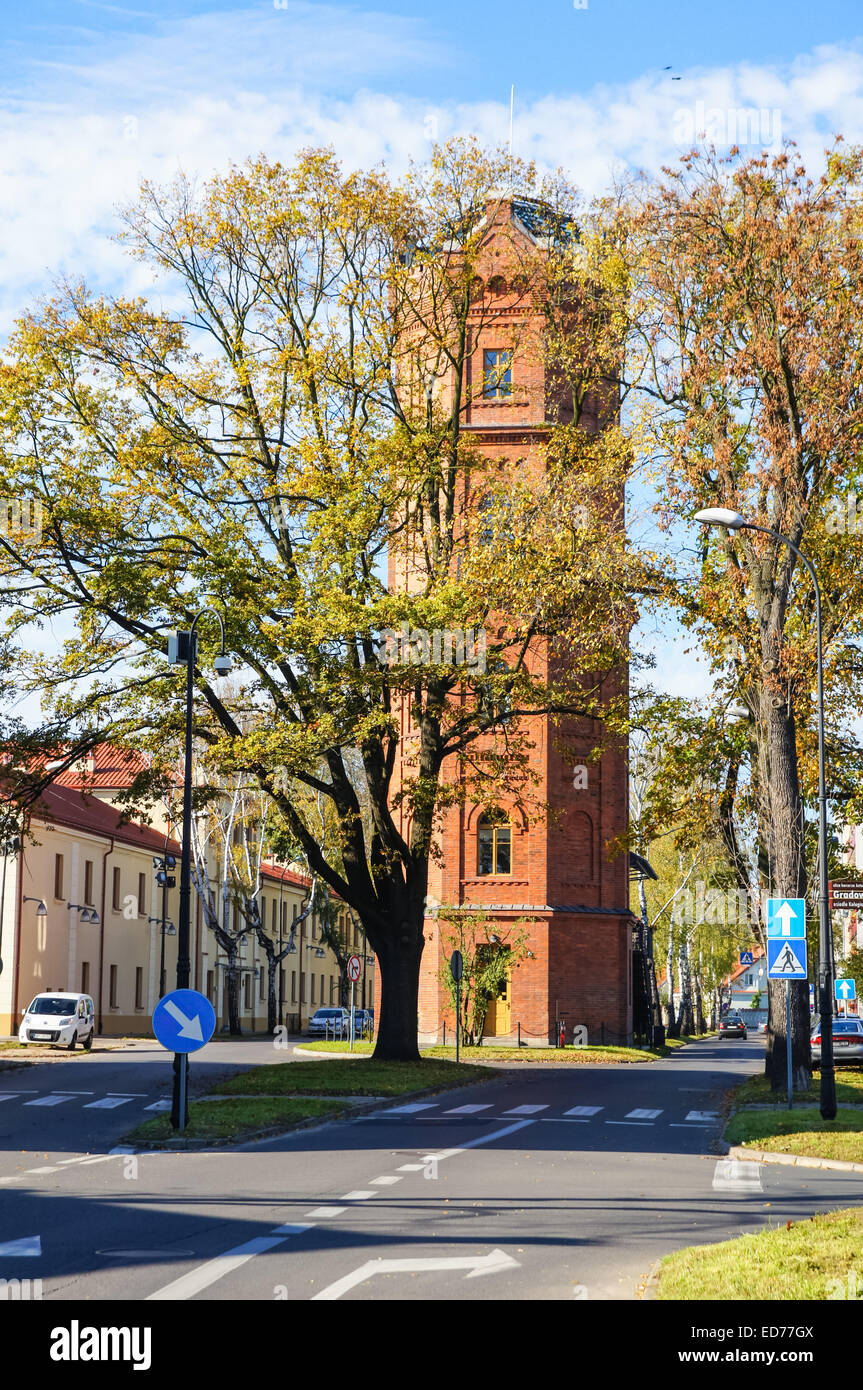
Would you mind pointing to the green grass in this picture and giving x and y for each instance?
(234, 1119)
(808, 1261)
(800, 1131)
(489, 1053)
(343, 1078)
(756, 1091)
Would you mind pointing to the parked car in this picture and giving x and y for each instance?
(59, 1017)
(325, 1021)
(847, 1040)
(363, 1022)
(732, 1026)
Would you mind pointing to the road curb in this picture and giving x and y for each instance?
(838, 1165)
(651, 1286)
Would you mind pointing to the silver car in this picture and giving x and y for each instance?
(847, 1040)
(335, 1022)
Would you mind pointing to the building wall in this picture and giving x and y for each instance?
(117, 961)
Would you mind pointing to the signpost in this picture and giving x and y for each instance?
(354, 968)
(183, 1022)
(845, 894)
(786, 957)
(845, 989)
(456, 967)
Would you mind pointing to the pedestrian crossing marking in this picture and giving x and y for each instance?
(643, 1114)
(108, 1102)
(467, 1109)
(588, 1110)
(48, 1100)
(702, 1116)
(525, 1109)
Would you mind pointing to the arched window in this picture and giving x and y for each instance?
(497, 285)
(494, 846)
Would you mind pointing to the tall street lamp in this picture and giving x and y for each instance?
(733, 521)
(182, 647)
(163, 864)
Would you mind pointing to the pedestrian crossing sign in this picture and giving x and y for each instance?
(786, 960)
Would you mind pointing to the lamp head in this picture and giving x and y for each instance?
(720, 516)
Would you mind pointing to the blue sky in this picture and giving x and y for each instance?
(95, 96)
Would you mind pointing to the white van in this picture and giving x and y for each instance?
(59, 1017)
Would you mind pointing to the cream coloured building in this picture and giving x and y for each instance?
(81, 910)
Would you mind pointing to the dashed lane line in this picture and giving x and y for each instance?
(199, 1279)
(324, 1213)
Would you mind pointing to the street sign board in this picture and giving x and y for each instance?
(747, 958)
(845, 989)
(184, 1020)
(786, 918)
(786, 960)
(456, 965)
(846, 893)
(354, 968)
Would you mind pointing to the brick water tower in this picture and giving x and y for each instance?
(553, 872)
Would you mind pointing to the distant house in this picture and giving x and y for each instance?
(748, 983)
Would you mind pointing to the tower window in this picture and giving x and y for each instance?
(496, 373)
(494, 848)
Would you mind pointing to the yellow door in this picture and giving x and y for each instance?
(498, 1019)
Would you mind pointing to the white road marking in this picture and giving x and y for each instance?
(52, 1169)
(133, 1095)
(588, 1110)
(410, 1109)
(466, 1109)
(491, 1263)
(108, 1103)
(561, 1120)
(321, 1213)
(643, 1114)
(25, 1246)
(525, 1110)
(734, 1175)
(197, 1279)
(412, 1168)
(479, 1141)
(143, 1254)
(386, 1181)
(160, 1105)
(702, 1116)
(358, 1196)
(48, 1100)
(645, 1124)
(74, 1093)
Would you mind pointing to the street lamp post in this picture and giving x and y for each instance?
(182, 648)
(733, 521)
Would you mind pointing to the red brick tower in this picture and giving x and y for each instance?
(556, 872)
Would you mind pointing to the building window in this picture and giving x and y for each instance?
(323, 995)
(293, 986)
(85, 977)
(58, 876)
(139, 986)
(142, 895)
(210, 991)
(112, 987)
(496, 373)
(88, 882)
(262, 983)
(247, 989)
(312, 979)
(494, 847)
(115, 890)
(332, 990)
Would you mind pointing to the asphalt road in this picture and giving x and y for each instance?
(547, 1183)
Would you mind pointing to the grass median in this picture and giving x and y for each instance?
(800, 1131)
(803, 1260)
(573, 1056)
(363, 1077)
(756, 1090)
(235, 1119)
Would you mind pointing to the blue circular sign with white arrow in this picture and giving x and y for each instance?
(184, 1020)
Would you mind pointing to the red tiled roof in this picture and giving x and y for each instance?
(106, 766)
(66, 806)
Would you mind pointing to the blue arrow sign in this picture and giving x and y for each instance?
(786, 918)
(747, 958)
(786, 960)
(184, 1020)
(845, 989)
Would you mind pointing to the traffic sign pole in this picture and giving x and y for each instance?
(351, 1048)
(788, 1041)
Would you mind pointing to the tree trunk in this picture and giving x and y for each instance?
(700, 1026)
(273, 1019)
(232, 989)
(685, 1022)
(781, 829)
(671, 1024)
(399, 956)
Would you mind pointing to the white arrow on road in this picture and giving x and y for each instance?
(28, 1245)
(785, 914)
(190, 1027)
(491, 1263)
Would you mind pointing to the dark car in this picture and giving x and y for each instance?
(732, 1026)
(847, 1040)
